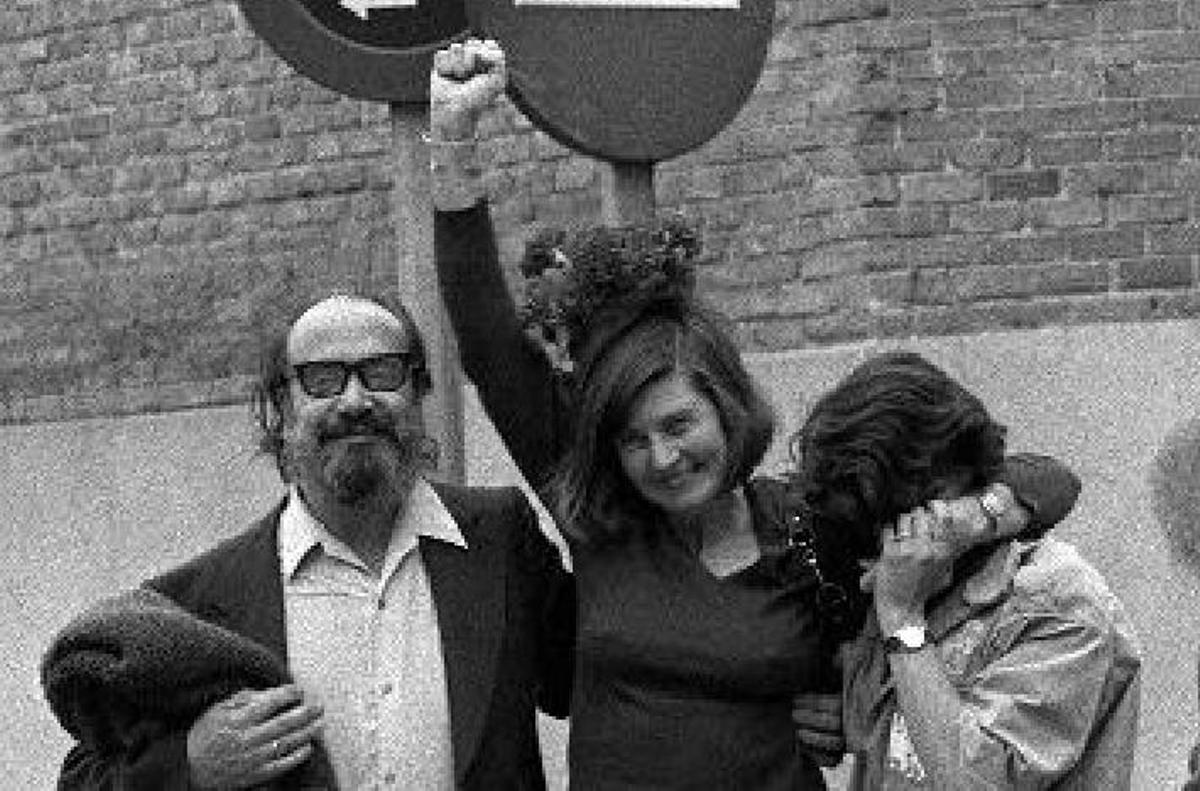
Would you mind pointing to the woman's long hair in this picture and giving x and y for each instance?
(875, 446)
(591, 496)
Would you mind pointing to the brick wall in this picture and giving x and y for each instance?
(169, 188)
(942, 166)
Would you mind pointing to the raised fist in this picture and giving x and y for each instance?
(466, 79)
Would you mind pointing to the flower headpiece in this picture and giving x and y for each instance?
(575, 279)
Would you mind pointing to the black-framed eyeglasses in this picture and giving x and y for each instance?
(382, 373)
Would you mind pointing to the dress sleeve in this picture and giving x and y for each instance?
(552, 596)
(514, 379)
(1028, 714)
(1045, 486)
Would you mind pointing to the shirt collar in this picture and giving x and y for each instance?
(426, 510)
(301, 533)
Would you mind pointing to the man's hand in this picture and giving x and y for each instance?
(818, 719)
(960, 522)
(912, 567)
(963, 523)
(251, 737)
(466, 79)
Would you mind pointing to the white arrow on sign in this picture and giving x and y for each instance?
(361, 8)
(689, 4)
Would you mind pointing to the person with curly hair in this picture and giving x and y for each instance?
(1009, 664)
(707, 608)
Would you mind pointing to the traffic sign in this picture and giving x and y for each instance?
(629, 80)
(369, 49)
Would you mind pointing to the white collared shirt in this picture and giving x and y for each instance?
(368, 648)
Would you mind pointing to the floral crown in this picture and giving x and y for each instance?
(575, 280)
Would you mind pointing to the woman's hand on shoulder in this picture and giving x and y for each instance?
(818, 719)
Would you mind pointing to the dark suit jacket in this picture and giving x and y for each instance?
(506, 611)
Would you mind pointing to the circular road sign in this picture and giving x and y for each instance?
(629, 80)
(369, 49)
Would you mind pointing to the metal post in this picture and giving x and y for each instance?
(627, 193)
(412, 213)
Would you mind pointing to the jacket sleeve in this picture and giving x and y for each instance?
(552, 592)
(159, 764)
(1029, 714)
(514, 379)
(1045, 486)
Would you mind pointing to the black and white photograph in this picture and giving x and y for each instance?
(604, 395)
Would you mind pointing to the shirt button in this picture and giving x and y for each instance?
(390, 778)
(386, 688)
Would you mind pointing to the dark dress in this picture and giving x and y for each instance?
(682, 680)
(685, 680)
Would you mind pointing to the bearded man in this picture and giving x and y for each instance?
(416, 625)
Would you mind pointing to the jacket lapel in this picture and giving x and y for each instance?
(468, 593)
(245, 593)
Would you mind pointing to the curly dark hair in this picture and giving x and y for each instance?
(877, 444)
(590, 494)
(270, 399)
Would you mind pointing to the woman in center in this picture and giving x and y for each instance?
(706, 603)
(690, 644)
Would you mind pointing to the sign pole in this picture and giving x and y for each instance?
(626, 193)
(412, 213)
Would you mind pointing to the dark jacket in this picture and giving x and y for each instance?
(506, 611)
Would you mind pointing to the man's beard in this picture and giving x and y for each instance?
(354, 471)
(365, 457)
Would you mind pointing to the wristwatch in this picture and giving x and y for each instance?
(994, 502)
(907, 639)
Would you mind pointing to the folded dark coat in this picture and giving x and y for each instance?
(137, 665)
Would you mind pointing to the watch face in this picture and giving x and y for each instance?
(994, 501)
(911, 636)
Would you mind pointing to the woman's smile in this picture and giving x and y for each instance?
(673, 448)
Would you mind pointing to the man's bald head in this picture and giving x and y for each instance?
(339, 320)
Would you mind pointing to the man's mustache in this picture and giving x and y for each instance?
(371, 424)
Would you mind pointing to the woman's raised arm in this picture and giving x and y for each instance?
(513, 377)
